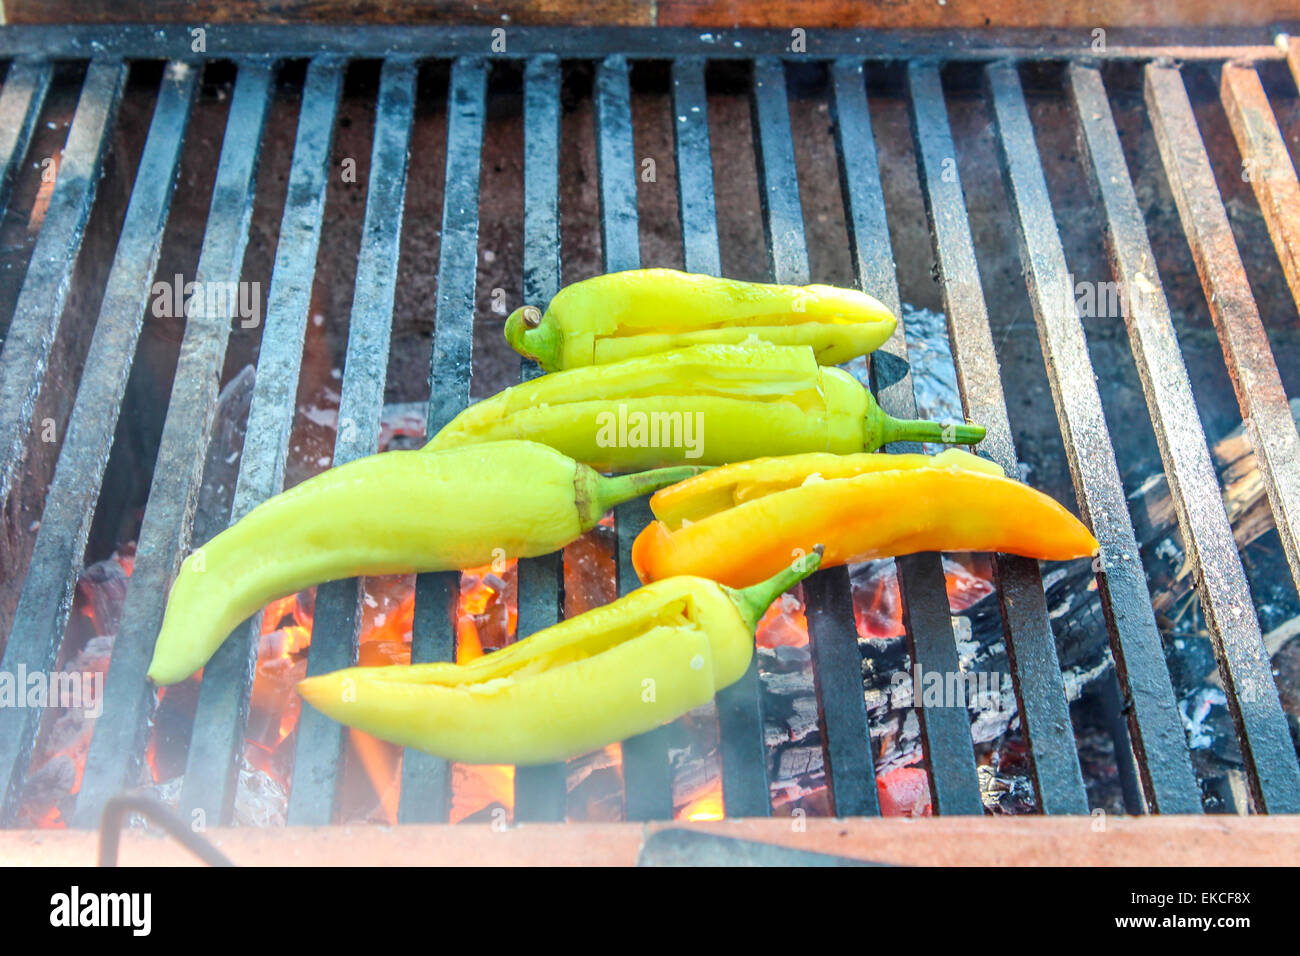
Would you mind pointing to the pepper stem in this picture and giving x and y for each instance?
(918, 430)
(598, 493)
(752, 602)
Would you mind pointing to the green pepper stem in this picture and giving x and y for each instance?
(752, 602)
(902, 429)
(613, 490)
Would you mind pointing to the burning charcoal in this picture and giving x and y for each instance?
(904, 792)
(101, 591)
(260, 801)
(221, 467)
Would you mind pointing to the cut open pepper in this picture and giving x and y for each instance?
(738, 523)
(621, 315)
(616, 671)
(703, 405)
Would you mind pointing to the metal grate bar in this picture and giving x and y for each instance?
(1252, 695)
(173, 493)
(26, 84)
(647, 776)
(1236, 318)
(950, 755)
(850, 764)
(540, 792)
(1088, 448)
(694, 152)
(745, 790)
(778, 175)
(318, 751)
(46, 599)
(35, 322)
(376, 41)
(1026, 626)
(1154, 723)
(426, 779)
(1266, 163)
(216, 747)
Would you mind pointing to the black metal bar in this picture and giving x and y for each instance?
(26, 84)
(950, 754)
(1154, 723)
(745, 790)
(118, 741)
(1088, 447)
(313, 39)
(1031, 646)
(778, 177)
(849, 760)
(46, 598)
(647, 776)
(216, 746)
(319, 748)
(540, 792)
(695, 197)
(426, 780)
(45, 288)
(1252, 695)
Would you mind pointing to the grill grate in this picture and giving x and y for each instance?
(210, 776)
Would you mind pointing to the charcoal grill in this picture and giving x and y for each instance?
(1157, 734)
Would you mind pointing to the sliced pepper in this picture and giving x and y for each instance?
(616, 671)
(703, 405)
(622, 315)
(736, 524)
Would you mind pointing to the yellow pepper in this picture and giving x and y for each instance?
(704, 405)
(394, 513)
(737, 524)
(616, 671)
(643, 311)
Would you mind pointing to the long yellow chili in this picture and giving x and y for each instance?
(703, 405)
(394, 513)
(616, 671)
(643, 311)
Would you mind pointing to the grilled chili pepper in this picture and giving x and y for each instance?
(616, 671)
(737, 524)
(394, 513)
(707, 404)
(645, 311)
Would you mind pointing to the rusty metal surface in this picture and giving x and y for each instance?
(318, 750)
(46, 599)
(1155, 725)
(426, 779)
(212, 765)
(540, 792)
(173, 495)
(1266, 747)
(745, 790)
(647, 775)
(25, 87)
(306, 40)
(1031, 645)
(1236, 317)
(1265, 162)
(35, 321)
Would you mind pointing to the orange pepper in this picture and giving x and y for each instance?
(740, 523)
